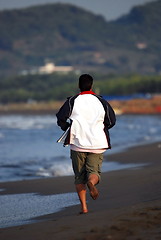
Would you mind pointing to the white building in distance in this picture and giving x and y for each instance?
(50, 67)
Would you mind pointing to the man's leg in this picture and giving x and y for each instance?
(92, 181)
(78, 163)
(93, 168)
(81, 190)
(93, 178)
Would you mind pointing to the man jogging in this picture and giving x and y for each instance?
(90, 118)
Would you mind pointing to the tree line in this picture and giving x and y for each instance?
(59, 86)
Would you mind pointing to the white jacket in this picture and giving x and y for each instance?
(87, 129)
(91, 117)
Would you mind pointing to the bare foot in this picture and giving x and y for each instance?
(84, 212)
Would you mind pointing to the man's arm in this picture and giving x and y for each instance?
(110, 117)
(63, 115)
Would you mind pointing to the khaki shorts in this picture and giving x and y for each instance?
(84, 164)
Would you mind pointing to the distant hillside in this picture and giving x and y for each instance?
(143, 25)
(68, 35)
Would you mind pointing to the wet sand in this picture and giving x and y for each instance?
(129, 205)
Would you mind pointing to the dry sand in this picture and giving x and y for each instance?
(129, 205)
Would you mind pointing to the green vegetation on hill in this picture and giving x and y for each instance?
(58, 87)
(143, 24)
(58, 32)
(68, 35)
(132, 84)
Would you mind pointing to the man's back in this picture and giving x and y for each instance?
(87, 130)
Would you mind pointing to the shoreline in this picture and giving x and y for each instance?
(124, 165)
(133, 106)
(125, 195)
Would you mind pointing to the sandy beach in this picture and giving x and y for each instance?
(129, 205)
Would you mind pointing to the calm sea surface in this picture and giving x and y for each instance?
(28, 147)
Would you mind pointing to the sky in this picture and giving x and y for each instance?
(109, 9)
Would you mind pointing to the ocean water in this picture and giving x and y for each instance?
(28, 147)
(18, 209)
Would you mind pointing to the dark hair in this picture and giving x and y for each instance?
(85, 82)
